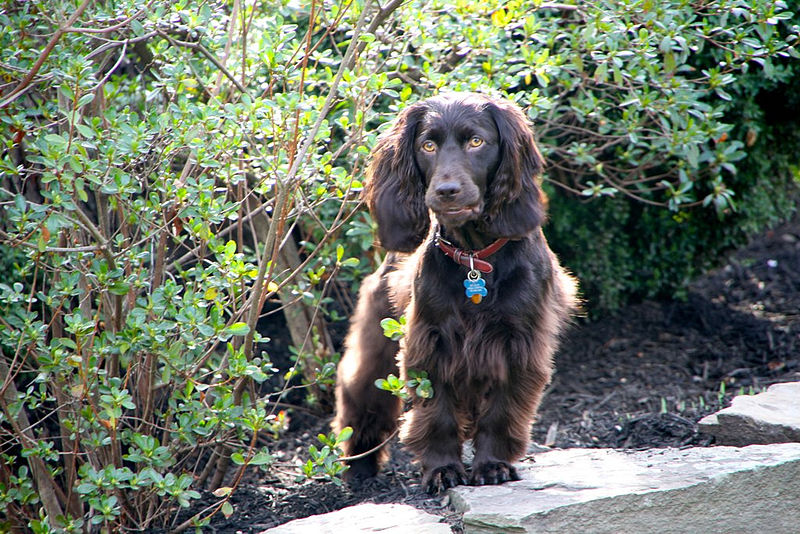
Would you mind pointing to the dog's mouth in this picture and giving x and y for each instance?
(458, 213)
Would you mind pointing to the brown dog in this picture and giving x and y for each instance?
(452, 186)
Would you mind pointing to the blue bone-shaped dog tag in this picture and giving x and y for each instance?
(475, 288)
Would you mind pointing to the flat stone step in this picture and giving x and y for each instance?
(715, 489)
(769, 417)
(367, 517)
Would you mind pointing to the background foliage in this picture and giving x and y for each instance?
(639, 106)
(173, 171)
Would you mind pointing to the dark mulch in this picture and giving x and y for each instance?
(639, 379)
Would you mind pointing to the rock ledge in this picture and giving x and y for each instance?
(769, 417)
(365, 518)
(716, 489)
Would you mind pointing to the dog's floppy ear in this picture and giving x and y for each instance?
(395, 188)
(515, 203)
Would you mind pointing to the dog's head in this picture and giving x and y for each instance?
(466, 157)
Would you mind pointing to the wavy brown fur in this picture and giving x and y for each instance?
(489, 363)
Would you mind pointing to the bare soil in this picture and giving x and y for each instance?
(639, 379)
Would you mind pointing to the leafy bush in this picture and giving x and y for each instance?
(171, 168)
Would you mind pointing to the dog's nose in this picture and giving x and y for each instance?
(447, 189)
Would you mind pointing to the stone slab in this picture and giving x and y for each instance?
(769, 417)
(671, 491)
(367, 517)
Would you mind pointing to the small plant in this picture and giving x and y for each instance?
(324, 463)
(394, 329)
(749, 391)
(418, 382)
(391, 383)
(722, 389)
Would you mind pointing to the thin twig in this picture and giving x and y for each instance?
(19, 89)
(563, 7)
(373, 449)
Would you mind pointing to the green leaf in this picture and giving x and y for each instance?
(206, 330)
(238, 329)
(85, 99)
(344, 435)
(227, 509)
(383, 384)
(666, 44)
(230, 248)
(669, 62)
(55, 141)
(119, 288)
(261, 458)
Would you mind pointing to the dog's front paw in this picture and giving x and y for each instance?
(441, 478)
(493, 472)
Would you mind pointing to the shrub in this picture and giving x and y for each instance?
(161, 183)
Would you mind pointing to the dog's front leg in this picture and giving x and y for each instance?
(503, 429)
(431, 431)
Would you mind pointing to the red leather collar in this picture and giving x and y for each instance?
(474, 259)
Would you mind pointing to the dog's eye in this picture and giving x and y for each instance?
(475, 141)
(429, 146)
